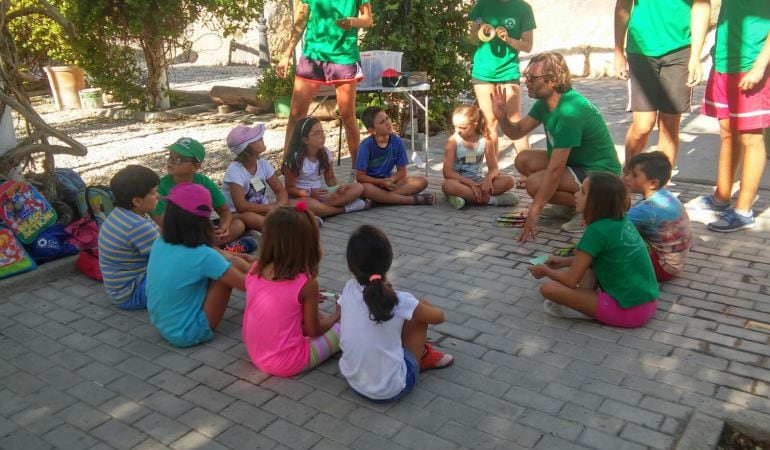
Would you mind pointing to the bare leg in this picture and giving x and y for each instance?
(530, 161)
(346, 101)
(411, 185)
(303, 94)
(639, 132)
(503, 183)
(513, 106)
(252, 220)
(730, 156)
(237, 227)
(413, 335)
(565, 191)
(668, 135)
(385, 196)
(353, 191)
(754, 157)
(321, 209)
(580, 299)
(215, 304)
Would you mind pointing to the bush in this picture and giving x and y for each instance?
(270, 86)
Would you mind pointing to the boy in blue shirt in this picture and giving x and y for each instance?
(126, 236)
(378, 155)
(660, 217)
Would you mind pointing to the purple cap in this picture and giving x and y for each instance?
(241, 136)
(193, 198)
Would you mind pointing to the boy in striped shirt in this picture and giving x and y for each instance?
(126, 236)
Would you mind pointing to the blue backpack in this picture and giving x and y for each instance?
(68, 184)
(51, 244)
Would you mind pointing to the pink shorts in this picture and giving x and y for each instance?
(609, 312)
(747, 110)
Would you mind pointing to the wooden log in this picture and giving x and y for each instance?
(228, 95)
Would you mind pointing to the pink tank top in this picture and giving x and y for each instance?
(272, 325)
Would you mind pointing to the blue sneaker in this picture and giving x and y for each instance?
(246, 244)
(707, 203)
(732, 221)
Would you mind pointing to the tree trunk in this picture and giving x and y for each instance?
(157, 62)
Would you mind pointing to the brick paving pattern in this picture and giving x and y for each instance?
(76, 372)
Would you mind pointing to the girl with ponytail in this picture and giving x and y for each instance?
(383, 331)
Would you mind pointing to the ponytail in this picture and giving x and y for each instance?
(380, 298)
(369, 256)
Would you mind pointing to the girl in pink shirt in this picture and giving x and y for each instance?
(283, 331)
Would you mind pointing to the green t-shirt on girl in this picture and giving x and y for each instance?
(496, 61)
(658, 27)
(576, 123)
(621, 261)
(742, 30)
(324, 40)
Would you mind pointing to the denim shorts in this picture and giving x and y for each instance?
(138, 298)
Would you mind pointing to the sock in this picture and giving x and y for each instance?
(743, 213)
(492, 200)
(713, 197)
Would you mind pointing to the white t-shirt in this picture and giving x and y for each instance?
(253, 184)
(372, 354)
(308, 177)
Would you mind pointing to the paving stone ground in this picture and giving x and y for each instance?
(76, 372)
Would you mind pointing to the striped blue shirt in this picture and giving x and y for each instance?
(125, 239)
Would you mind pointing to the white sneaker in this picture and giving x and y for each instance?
(575, 224)
(507, 199)
(557, 310)
(355, 205)
(557, 212)
(417, 161)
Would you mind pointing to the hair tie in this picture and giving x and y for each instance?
(375, 277)
(301, 206)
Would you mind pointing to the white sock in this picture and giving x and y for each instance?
(492, 200)
(744, 213)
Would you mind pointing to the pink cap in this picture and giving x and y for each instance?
(241, 136)
(193, 198)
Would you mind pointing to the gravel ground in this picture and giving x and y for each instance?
(114, 143)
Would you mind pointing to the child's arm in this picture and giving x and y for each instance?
(364, 19)
(235, 276)
(427, 313)
(314, 323)
(241, 204)
(570, 278)
(281, 196)
(290, 179)
(225, 219)
(399, 175)
(329, 177)
(384, 183)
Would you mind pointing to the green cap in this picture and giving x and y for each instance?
(188, 147)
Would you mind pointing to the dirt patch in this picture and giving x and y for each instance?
(733, 439)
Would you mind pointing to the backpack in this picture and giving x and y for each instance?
(13, 258)
(24, 210)
(51, 244)
(99, 204)
(68, 184)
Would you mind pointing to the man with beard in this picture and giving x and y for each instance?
(578, 142)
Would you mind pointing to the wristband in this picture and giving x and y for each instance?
(486, 37)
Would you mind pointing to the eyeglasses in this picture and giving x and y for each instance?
(177, 160)
(530, 78)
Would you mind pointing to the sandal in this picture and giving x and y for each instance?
(424, 199)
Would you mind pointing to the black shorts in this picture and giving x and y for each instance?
(659, 84)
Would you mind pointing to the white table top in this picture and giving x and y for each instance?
(412, 88)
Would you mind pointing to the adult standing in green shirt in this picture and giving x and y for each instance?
(663, 43)
(501, 29)
(738, 95)
(329, 56)
(578, 142)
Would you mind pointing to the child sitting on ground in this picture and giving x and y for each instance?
(384, 331)
(612, 253)
(282, 329)
(126, 236)
(184, 160)
(463, 158)
(189, 282)
(247, 178)
(309, 175)
(377, 155)
(660, 217)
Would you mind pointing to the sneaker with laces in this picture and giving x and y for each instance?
(507, 199)
(707, 204)
(557, 310)
(732, 221)
(434, 359)
(456, 202)
(245, 244)
(557, 212)
(574, 225)
(355, 205)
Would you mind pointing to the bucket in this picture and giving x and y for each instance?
(91, 98)
(66, 82)
(374, 62)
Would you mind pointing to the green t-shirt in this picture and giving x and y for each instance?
(495, 60)
(621, 261)
(575, 123)
(324, 40)
(658, 27)
(741, 33)
(167, 182)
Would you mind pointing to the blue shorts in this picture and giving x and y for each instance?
(138, 298)
(412, 378)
